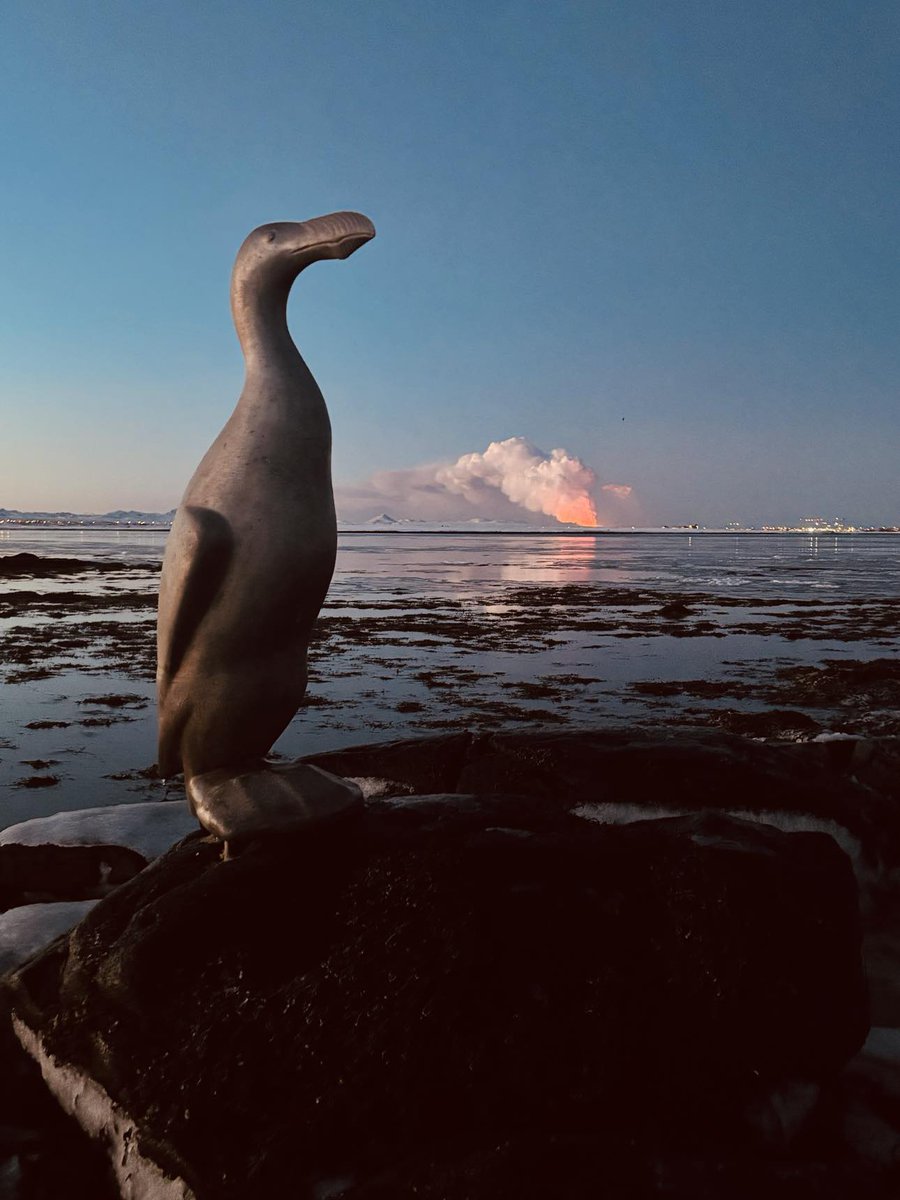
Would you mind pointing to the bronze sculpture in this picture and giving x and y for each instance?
(249, 560)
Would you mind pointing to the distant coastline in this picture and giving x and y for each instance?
(135, 522)
(664, 530)
(460, 530)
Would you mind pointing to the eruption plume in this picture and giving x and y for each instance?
(509, 476)
(557, 483)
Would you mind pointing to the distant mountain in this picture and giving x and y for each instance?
(119, 517)
(383, 519)
(130, 515)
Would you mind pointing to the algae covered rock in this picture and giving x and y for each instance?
(461, 996)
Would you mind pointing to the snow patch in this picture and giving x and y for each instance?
(150, 828)
(610, 813)
(82, 1098)
(375, 788)
(880, 1059)
(26, 930)
(873, 1084)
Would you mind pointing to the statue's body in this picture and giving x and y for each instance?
(250, 557)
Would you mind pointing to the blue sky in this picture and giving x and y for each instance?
(683, 214)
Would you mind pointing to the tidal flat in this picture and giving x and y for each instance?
(772, 637)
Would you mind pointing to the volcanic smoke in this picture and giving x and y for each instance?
(507, 477)
(558, 483)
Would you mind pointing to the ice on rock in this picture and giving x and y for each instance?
(150, 828)
(375, 788)
(26, 930)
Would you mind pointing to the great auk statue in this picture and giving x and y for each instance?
(249, 560)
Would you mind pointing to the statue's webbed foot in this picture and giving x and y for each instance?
(243, 804)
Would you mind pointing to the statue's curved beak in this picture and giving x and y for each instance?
(335, 236)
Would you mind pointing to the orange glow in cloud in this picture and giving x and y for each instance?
(577, 512)
(514, 470)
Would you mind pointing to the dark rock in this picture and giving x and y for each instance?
(693, 770)
(852, 782)
(875, 682)
(117, 700)
(581, 1168)
(466, 997)
(847, 787)
(873, 763)
(675, 609)
(63, 872)
(708, 689)
(770, 723)
(44, 1155)
(430, 764)
(39, 566)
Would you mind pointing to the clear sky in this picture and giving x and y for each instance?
(683, 214)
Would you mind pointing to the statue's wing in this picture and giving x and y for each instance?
(206, 550)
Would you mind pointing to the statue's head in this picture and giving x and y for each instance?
(279, 251)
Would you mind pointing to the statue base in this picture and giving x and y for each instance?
(266, 800)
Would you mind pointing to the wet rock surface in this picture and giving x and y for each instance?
(463, 995)
(478, 994)
(852, 782)
(865, 694)
(41, 566)
(848, 788)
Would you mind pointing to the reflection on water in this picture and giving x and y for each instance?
(124, 544)
(442, 564)
(393, 685)
(764, 564)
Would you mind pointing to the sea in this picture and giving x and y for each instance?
(424, 632)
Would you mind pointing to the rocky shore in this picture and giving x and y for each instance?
(430, 662)
(607, 962)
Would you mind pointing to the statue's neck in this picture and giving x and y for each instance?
(276, 376)
(259, 309)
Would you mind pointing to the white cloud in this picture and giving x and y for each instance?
(512, 480)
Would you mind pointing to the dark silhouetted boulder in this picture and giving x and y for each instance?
(420, 765)
(854, 783)
(468, 997)
(63, 872)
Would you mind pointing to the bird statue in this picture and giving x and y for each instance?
(248, 563)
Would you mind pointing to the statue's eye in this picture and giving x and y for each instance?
(271, 236)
